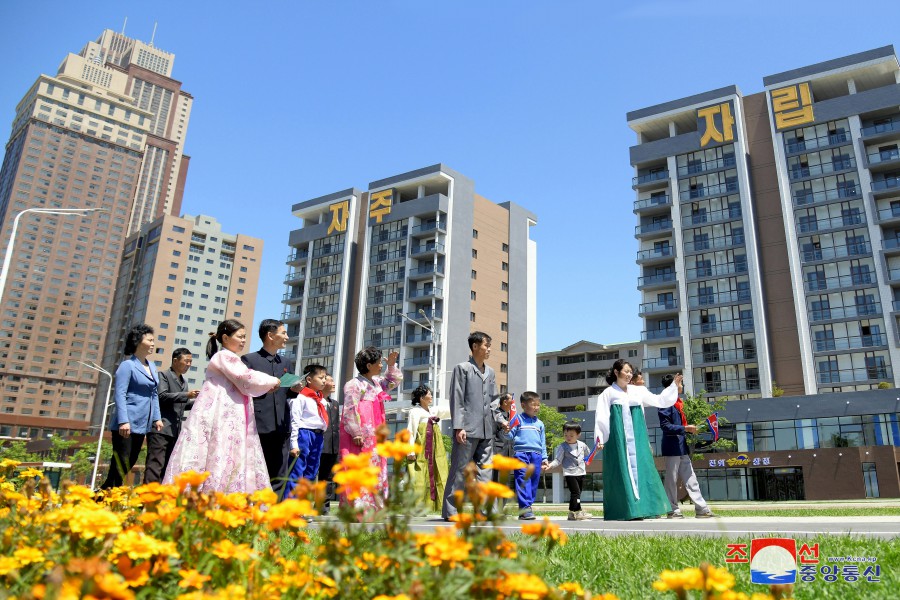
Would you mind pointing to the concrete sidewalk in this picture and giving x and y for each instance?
(687, 508)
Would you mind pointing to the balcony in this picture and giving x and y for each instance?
(318, 351)
(716, 327)
(652, 204)
(324, 290)
(729, 187)
(717, 243)
(823, 225)
(712, 357)
(739, 385)
(429, 248)
(295, 296)
(647, 180)
(808, 197)
(893, 276)
(426, 271)
(883, 157)
(842, 282)
(655, 255)
(732, 213)
(860, 375)
(702, 272)
(328, 250)
(422, 339)
(662, 363)
(830, 253)
(729, 297)
(837, 313)
(379, 257)
(797, 172)
(377, 278)
(297, 256)
(853, 342)
(322, 309)
(658, 308)
(416, 316)
(384, 298)
(295, 277)
(291, 316)
(891, 245)
(888, 184)
(435, 292)
(429, 228)
(826, 141)
(658, 335)
(326, 270)
(385, 320)
(389, 236)
(653, 230)
(706, 166)
(656, 281)
(890, 215)
(320, 330)
(417, 361)
(881, 130)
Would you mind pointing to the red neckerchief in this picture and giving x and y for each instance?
(317, 396)
(679, 404)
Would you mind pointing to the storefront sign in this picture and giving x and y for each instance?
(741, 460)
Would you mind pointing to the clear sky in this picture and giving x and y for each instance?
(297, 99)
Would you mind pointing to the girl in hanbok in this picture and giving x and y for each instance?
(219, 435)
(428, 468)
(632, 488)
(364, 399)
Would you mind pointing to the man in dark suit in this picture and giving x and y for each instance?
(331, 445)
(674, 425)
(273, 418)
(174, 398)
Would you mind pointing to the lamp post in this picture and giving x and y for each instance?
(7, 258)
(432, 363)
(433, 351)
(102, 422)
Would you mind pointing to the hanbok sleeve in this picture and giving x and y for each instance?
(668, 397)
(246, 380)
(392, 378)
(441, 412)
(296, 409)
(350, 415)
(412, 423)
(601, 417)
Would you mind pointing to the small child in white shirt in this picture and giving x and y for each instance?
(571, 457)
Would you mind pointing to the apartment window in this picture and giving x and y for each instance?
(472, 295)
(474, 274)
(504, 347)
(177, 229)
(504, 306)
(506, 247)
(504, 327)
(545, 379)
(632, 353)
(503, 368)
(475, 234)
(504, 266)
(474, 253)
(472, 317)
(545, 362)
(504, 286)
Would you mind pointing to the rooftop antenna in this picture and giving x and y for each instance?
(123, 26)
(152, 37)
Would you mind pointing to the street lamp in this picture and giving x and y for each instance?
(102, 422)
(432, 364)
(7, 258)
(434, 359)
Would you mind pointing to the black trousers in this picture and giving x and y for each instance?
(276, 447)
(326, 463)
(575, 483)
(159, 451)
(125, 455)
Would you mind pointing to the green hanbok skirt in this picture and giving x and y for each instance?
(428, 474)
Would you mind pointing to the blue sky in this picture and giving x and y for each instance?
(294, 100)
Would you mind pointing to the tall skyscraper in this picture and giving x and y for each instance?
(105, 132)
(768, 231)
(181, 276)
(416, 254)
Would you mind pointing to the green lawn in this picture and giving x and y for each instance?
(628, 565)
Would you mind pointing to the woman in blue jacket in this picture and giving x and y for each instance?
(137, 404)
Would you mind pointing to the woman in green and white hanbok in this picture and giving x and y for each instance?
(632, 488)
(428, 468)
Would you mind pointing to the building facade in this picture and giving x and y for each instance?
(181, 276)
(767, 231)
(413, 264)
(567, 378)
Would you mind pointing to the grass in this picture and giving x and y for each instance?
(628, 565)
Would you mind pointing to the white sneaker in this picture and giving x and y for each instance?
(583, 516)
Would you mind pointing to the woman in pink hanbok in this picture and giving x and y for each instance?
(364, 399)
(219, 435)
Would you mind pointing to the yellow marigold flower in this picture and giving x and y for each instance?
(135, 575)
(8, 564)
(688, 579)
(226, 550)
(266, 496)
(718, 580)
(290, 512)
(403, 436)
(443, 547)
(571, 588)
(78, 493)
(7, 486)
(356, 474)
(26, 556)
(732, 595)
(397, 450)
(94, 523)
(190, 478)
(351, 462)
(397, 597)
(111, 586)
(138, 545)
(505, 463)
(227, 518)
(466, 520)
(154, 492)
(192, 579)
(522, 585)
(8, 463)
(234, 501)
(31, 472)
(494, 489)
(545, 529)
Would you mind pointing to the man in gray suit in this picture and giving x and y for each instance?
(174, 397)
(471, 393)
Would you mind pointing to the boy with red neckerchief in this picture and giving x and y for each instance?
(309, 420)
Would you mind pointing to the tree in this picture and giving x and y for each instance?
(697, 409)
(553, 426)
(17, 451)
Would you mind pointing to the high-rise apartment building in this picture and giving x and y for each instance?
(182, 276)
(88, 137)
(567, 378)
(416, 254)
(768, 227)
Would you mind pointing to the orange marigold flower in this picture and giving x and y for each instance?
(226, 550)
(192, 579)
(545, 529)
(233, 501)
(570, 587)
(265, 496)
(443, 547)
(403, 436)
(494, 489)
(111, 587)
(138, 545)
(397, 597)
(94, 522)
(505, 463)
(190, 478)
(687, 579)
(397, 450)
(356, 474)
(717, 579)
(289, 512)
(230, 519)
(135, 575)
(466, 520)
(522, 585)
(78, 493)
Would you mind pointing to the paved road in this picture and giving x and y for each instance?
(730, 527)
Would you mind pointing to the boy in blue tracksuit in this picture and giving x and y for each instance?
(529, 445)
